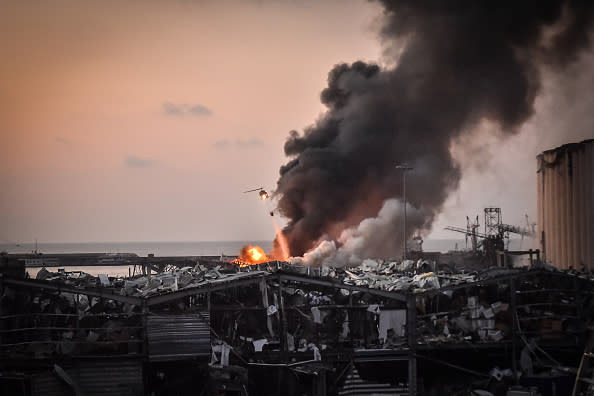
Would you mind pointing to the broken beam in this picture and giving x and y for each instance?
(66, 289)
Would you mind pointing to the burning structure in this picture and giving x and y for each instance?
(454, 69)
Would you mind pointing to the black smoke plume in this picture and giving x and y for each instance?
(457, 64)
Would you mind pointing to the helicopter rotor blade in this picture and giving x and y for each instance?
(255, 189)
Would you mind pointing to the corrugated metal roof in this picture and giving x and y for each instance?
(174, 337)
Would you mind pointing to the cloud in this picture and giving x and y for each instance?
(62, 140)
(221, 144)
(199, 110)
(253, 142)
(133, 161)
(183, 109)
(239, 143)
(172, 109)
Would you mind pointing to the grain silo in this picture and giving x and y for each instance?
(566, 205)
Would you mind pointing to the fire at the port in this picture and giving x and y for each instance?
(250, 255)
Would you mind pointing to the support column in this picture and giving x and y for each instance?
(320, 383)
(283, 323)
(77, 310)
(411, 333)
(2, 326)
(350, 316)
(512, 303)
(145, 328)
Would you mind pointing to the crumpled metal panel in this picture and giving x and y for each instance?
(176, 337)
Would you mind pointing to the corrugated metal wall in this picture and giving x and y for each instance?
(48, 384)
(355, 386)
(566, 205)
(174, 337)
(110, 377)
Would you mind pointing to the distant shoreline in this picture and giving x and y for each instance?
(33, 260)
(193, 248)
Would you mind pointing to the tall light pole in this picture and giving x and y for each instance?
(404, 167)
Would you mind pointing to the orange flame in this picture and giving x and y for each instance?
(251, 255)
(282, 242)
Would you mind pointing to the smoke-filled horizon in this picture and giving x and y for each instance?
(457, 65)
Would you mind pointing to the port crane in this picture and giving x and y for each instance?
(470, 233)
(495, 231)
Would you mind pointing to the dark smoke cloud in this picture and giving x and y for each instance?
(459, 63)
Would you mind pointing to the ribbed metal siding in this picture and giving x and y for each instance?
(175, 337)
(113, 377)
(354, 385)
(48, 384)
(566, 205)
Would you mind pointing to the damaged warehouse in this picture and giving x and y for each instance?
(158, 122)
(277, 328)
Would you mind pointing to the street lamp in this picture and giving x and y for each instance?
(404, 167)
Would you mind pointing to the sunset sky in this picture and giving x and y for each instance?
(146, 120)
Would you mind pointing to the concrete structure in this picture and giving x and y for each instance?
(566, 205)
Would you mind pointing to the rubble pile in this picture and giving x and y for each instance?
(274, 314)
(71, 278)
(406, 276)
(452, 307)
(172, 281)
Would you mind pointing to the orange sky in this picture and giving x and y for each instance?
(90, 154)
(145, 120)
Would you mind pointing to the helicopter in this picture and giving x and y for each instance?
(261, 192)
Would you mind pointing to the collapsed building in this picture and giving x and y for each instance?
(397, 328)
